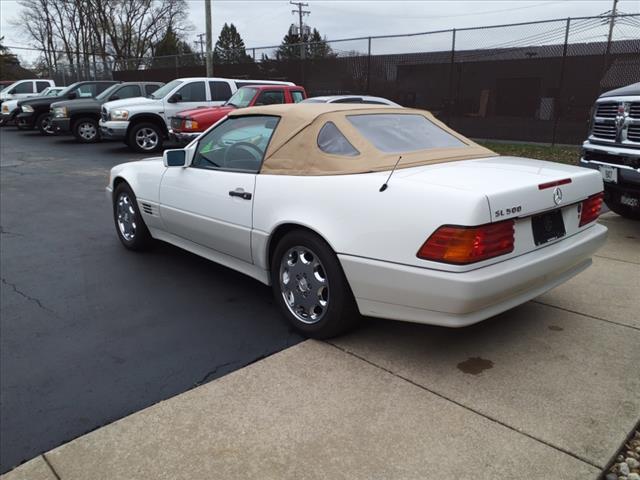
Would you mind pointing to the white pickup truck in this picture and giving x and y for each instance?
(143, 123)
(21, 89)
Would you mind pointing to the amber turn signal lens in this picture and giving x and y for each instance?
(462, 245)
(591, 209)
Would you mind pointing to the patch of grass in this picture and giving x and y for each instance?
(561, 154)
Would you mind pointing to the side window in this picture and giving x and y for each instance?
(332, 141)
(297, 96)
(149, 88)
(128, 91)
(193, 92)
(101, 87)
(220, 91)
(40, 86)
(236, 144)
(271, 97)
(86, 90)
(24, 87)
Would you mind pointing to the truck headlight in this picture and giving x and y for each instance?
(60, 112)
(27, 108)
(119, 114)
(5, 108)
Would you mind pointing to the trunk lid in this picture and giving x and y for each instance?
(514, 186)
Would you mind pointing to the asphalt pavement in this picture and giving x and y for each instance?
(90, 332)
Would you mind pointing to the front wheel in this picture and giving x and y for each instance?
(145, 138)
(86, 130)
(131, 229)
(44, 124)
(310, 287)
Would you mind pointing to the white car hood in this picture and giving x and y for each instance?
(133, 103)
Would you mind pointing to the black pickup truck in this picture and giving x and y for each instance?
(81, 116)
(613, 148)
(34, 112)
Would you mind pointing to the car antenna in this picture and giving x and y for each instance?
(384, 186)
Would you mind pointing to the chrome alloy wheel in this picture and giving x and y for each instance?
(304, 284)
(147, 138)
(126, 217)
(46, 125)
(87, 130)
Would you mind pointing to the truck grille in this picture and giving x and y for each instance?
(634, 110)
(607, 110)
(104, 115)
(633, 133)
(604, 130)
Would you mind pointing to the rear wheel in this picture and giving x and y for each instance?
(623, 210)
(131, 229)
(86, 130)
(310, 287)
(145, 138)
(43, 122)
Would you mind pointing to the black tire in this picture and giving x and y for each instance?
(86, 130)
(43, 123)
(623, 210)
(135, 142)
(141, 238)
(341, 313)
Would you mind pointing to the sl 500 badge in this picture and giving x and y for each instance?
(507, 212)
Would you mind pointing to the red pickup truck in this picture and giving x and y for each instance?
(188, 124)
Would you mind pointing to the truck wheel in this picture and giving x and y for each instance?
(86, 130)
(43, 123)
(145, 138)
(623, 210)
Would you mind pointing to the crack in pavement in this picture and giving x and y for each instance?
(28, 297)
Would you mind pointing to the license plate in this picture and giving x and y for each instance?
(609, 174)
(629, 201)
(547, 226)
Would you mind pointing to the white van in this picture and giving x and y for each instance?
(143, 123)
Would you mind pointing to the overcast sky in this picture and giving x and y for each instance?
(263, 23)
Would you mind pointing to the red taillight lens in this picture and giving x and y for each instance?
(591, 208)
(461, 245)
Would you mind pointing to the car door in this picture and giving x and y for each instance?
(23, 90)
(220, 91)
(190, 95)
(210, 202)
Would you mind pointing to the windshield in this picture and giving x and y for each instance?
(107, 92)
(162, 91)
(68, 89)
(53, 92)
(242, 98)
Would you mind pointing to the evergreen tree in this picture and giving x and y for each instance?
(230, 47)
(171, 45)
(315, 46)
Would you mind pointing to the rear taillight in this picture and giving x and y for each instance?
(590, 209)
(462, 245)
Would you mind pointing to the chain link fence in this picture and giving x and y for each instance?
(534, 81)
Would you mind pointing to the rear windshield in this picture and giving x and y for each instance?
(397, 133)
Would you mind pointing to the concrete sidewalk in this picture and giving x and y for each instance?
(547, 390)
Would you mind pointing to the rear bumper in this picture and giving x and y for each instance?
(421, 295)
(114, 130)
(183, 138)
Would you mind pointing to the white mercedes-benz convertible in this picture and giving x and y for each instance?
(356, 208)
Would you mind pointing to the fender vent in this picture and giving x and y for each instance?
(147, 208)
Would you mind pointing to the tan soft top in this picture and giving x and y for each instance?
(294, 150)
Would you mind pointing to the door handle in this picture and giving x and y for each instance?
(240, 193)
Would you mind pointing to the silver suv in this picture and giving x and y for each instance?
(613, 148)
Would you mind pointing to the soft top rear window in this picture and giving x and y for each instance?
(399, 132)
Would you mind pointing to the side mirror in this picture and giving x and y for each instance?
(72, 95)
(114, 97)
(175, 98)
(175, 158)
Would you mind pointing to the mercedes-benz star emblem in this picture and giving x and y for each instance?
(557, 196)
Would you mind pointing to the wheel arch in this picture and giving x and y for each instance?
(151, 118)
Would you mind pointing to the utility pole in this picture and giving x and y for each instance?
(207, 13)
(301, 13)
(612, 21)
(201, 43)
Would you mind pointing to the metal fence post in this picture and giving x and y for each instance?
(451, 73)
(368, 65)
(556, 104)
